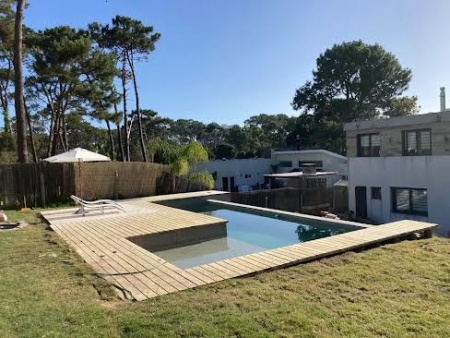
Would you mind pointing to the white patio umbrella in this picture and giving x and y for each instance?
(78, 155)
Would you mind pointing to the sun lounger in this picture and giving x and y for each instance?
(95, 205)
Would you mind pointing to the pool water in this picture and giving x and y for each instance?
(247, 233)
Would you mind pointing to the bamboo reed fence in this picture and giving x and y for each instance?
(42, 184)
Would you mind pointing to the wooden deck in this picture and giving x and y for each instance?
(102, 241)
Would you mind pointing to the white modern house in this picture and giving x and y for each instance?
(399, 168)
(248, 174)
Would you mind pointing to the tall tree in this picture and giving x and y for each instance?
(21, 127)
(353, 81)
(67, 76)
(132, 41)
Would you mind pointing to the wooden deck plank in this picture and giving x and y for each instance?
(254, 260)
(218, 271)
(237, 268)
(242, 265)
(250, 265)
(229, 272)
(206, 272)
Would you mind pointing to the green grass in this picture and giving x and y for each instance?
(398, 290)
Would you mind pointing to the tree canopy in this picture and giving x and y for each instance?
(352, 81)
(356, 81)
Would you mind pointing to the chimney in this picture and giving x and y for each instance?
(442, 99)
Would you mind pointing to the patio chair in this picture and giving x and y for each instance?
(95, 205)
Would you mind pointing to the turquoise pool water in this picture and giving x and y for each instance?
(246, 233)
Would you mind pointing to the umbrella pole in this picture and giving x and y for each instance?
(80, 186)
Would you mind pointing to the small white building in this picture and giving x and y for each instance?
(399, 169)
(239, 174)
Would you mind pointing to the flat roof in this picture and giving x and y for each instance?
(298, 174)
(398, 121)
(307, 151)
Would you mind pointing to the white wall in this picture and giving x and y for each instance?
(245, 171)
(427, 172)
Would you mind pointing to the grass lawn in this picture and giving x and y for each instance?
(399, 290)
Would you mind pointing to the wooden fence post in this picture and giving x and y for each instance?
(42, 185)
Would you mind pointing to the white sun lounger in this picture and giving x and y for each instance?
(95, 205)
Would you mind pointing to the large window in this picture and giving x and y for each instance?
(369, 145)
(417, 142)
(285, 164)
(410, 201)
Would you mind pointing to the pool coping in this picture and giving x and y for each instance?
(102, 241)
(292, 215)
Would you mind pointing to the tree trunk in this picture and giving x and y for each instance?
(51, 133)
(30, 129)
(65, 140)
(138, 110)
(125, 115)
(56, 133)
(119, 136)
(112, 150)
(22, 148)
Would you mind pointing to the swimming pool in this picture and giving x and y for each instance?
(247, 232)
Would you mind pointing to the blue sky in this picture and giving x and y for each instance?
(226, 60)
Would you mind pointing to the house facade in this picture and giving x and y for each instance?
(399, 168)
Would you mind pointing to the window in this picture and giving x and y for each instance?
(417, 142)
(285, 164)
(369, 145)
(375, 193)
(410, 201)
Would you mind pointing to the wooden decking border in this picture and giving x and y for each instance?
(101, 240)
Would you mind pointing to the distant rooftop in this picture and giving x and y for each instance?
(306, 151)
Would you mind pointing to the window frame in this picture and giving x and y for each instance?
(420, 152)
(373, 151)
(375, 193)
(410, 210)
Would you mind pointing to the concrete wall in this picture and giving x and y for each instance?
(428, 172)
(246, 172)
